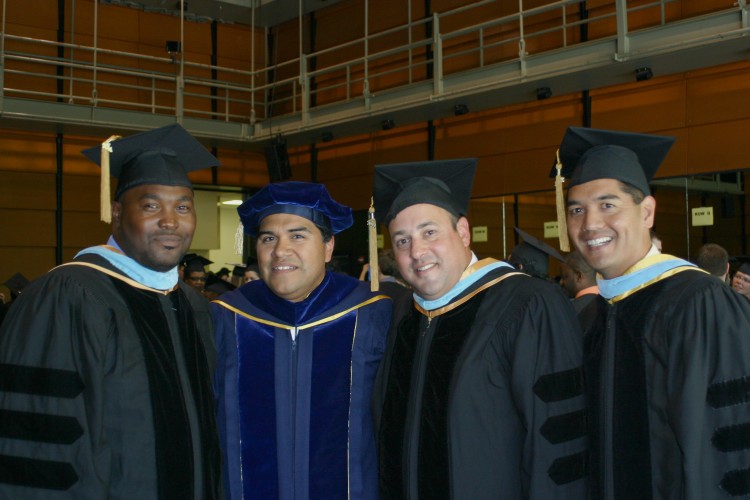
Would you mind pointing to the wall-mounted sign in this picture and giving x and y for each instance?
(551, 230)
(703, 216)
(479, 233)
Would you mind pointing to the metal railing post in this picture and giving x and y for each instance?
(304, 89)
(623, 41)
(96, 54)
(2, 59)
(180, 93)
(522, 40)
(437, 61)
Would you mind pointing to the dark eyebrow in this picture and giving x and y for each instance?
(604, 197)
(292, 230)
(156, 196)
(419, 226)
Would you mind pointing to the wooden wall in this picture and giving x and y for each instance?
(707, 110)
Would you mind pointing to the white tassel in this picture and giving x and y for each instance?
(239, 239)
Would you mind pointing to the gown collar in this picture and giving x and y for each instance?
(143, 275)
(476, 270)
(649, 270)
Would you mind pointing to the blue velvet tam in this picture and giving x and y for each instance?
(589, 154)
(305, 199)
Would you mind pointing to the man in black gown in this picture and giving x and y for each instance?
(667, 360)
(105, 362)
(480, 394)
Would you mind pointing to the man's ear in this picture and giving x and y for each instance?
(462, 227)
(648, 211)
(329, 248)
(116, 213)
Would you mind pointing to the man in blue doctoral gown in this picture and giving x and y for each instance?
(298, 352)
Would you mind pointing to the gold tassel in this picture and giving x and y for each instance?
(372, 234)
(562, 225)
(105, 204)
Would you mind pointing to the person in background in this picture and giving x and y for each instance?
(390, 282)
(298, 354)
(667, 360)
(714, 259)
(194, 272)
(15, 284)
(741, 280)
(106, 361)
(532, 256)
(216, 287)
(656, 240)
(223, 274)
(480, 393)
(251, 273)
(579, 281)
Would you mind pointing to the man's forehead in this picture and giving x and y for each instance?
(424, 212)
(598, 187)
(160, 191)
(287, 221)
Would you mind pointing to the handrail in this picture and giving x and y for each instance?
(342, 79)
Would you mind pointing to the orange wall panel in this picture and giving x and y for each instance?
(651, 108)
(718, 94)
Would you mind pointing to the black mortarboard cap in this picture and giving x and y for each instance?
(305, 199)
(534, 253)
(161, 156)
(589, 154)
(16, 283)
(238, 270)
(741, 263)
(444, 183)
(194, 262)
(218, 286)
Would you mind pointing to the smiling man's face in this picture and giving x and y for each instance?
(292, 255)
(431, 248)
(154, 224)
(607, 227)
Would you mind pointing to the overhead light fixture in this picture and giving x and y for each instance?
(543, 93)
(460, 109)
(643, 74)
(327, 136)
(232, 202)
(387, 124)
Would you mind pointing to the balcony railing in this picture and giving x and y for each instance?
(473, 36)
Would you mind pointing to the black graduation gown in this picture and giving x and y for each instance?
(105, 390)
(668, 371)
(486, 400)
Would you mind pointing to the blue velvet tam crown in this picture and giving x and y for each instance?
(305, 199)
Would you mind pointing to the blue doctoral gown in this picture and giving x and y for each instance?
(293, 382)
